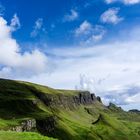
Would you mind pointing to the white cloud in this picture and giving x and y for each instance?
(124, 95)
(15, 23)
(84, 28)
(89, 33)
(97, 34)
(85, 82)
(134, 98)
(131, 1)
(100, 62)
(72, 16)
(37, 27)
(127, 2)
(111, 16)
(12, 61)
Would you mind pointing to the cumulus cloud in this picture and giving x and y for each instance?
(127, 2)
(84, 28)
(12, 61)
(111, 16)
(73, 15)
(37, 27)
(90, 83)
(89, 33)
(85, 83)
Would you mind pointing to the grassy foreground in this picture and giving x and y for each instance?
(22, 136)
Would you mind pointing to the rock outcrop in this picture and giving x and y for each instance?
(46, 126)
(28, 125)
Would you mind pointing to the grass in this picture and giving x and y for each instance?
(22, 136)
(20, 101)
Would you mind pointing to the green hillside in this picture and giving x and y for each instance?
(33, 112)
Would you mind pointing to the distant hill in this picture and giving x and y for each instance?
(33, 112)
(134, 111)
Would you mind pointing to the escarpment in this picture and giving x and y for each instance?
(27, 101)
(65, 100)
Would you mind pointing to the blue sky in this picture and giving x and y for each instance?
(58, 31)
(84, 44)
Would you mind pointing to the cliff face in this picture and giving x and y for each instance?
(66, 101)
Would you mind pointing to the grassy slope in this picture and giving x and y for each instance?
(22, 136)
(16, 105)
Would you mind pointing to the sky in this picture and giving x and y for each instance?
(74, 44)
